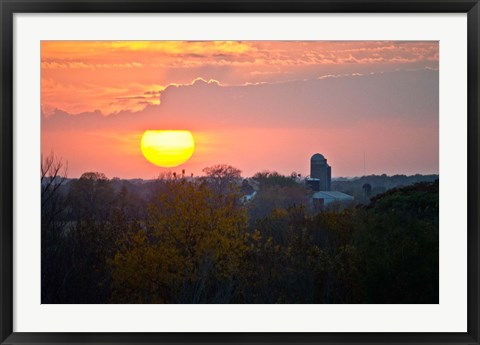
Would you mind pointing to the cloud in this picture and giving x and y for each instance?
(72, 98)
(83, 65)
(328, 101)
(191, 54)
(98, 74)
(393, 117)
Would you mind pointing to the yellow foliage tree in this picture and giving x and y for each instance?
(190, 250)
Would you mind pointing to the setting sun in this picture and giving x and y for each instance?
(167, 148)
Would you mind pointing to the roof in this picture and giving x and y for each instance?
(249, 197)
(332, 195)
(317, 157)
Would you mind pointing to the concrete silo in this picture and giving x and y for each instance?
(320, 171)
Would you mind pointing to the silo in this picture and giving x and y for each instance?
(319, 169)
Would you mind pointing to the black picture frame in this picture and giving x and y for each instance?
(9, 7)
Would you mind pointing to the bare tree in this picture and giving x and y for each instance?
(53, 175)
(54, 273)
(222, 177)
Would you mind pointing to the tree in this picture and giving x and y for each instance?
(92, 197)
(189, 252)
(53, 175)
(222, 177)
(271, 197)
(222, 171)
(276, 191)
(94, 210)
(273, 178)
(398, 244)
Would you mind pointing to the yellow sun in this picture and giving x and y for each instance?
(167, 148)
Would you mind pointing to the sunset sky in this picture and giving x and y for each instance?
(256, 105)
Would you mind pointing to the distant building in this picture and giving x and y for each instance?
(248, 189)
(320, 173)
(320, 182)
(313, 184)
(249, 197)
(323, 199)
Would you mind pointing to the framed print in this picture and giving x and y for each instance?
(245, 172)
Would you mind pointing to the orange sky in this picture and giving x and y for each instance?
(265, 105)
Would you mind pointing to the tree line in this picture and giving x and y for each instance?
(197, 240)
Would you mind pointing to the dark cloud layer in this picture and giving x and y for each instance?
(331, 101)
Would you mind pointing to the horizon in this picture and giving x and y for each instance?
(302, 177)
